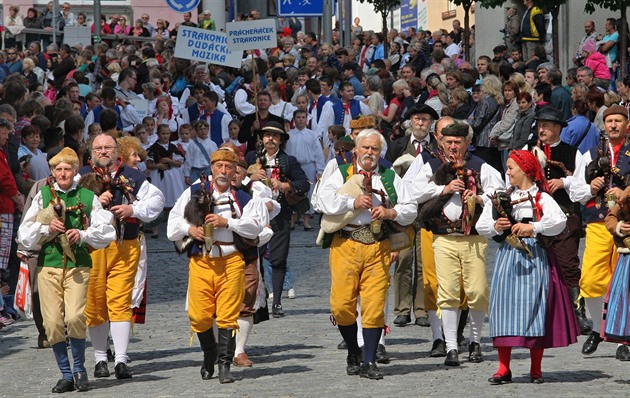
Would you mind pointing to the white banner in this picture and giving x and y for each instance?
(251, 35)
(206, 46)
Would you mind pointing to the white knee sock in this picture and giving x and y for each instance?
(245, 325)
(359, 325)
(121, 332)
(476, 324)
(436, 325)
(595, 307)
(450, 318)
(98, 336)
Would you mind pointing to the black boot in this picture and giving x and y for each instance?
(463, 320)
(580, 313)
(209, 347)
(226, 347)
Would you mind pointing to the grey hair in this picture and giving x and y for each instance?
(367, 133)
(9, 109)
(374, 83)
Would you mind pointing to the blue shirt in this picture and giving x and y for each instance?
(575, 130)
(613, 50)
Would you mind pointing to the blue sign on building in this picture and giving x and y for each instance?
(182, 5)
(300, 8)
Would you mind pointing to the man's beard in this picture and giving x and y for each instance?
(418, 133)
(104, 162)
(373, 160)
(222, 180)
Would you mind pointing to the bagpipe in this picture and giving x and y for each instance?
(119, 186)
(57, 209)
(195, 212)
(604, 167)
(430, 212)
(502, 206)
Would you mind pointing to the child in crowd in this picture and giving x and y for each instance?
(149, 123)
(335, 133)
(234, 128)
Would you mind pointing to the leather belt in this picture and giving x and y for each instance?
(362, 235)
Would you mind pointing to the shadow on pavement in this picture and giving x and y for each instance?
(255, 373)
(97, 384)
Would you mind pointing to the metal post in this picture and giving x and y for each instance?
(97, 18)
(347, 32)
(327, 21)
(55, 12)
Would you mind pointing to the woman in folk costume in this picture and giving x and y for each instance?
(529, 304)
(131, 152)
(67, 220)
(616, 326)
(165, 162)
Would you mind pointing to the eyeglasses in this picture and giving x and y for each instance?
(108, 148)
(5, 123)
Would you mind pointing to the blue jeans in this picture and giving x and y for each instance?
(288, 278)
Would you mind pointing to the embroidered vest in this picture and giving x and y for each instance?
(387, 179)
(340, 114)
(52, 253)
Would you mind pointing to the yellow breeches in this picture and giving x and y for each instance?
(598, 263)
(111, 282)
(359, 270)
(216, 286)
(460, 261)
(62, 298)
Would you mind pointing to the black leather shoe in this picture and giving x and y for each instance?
(225, 376)
(423, 321)
(474, 353)
(381, 354)
(62, 386)
(498, 379)
(354, 364)
(122, 371)
(438, 350)
(402, 320)
(452, 358)
(101, 370)
(81, 381)
(342, 345)
(536, 380)
(277, 311)
(590, 345)
(370, 371)
(623, 353)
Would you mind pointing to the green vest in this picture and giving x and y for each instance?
(387, 179)
(52, 254)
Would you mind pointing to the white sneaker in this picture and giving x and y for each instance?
(270, 295)
(291, 293)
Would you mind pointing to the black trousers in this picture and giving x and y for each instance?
(279, 250)
(565, 246)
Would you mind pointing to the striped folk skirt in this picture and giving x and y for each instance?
(518, 297)
(617, 303)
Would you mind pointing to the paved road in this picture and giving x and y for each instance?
(295, 356)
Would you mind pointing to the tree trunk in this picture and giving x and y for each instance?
(466, 37)
(554, 36)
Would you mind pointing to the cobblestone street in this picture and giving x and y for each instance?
(296, 356)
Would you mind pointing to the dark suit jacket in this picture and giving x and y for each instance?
(403, 145)
(290, 171)
(247, 133)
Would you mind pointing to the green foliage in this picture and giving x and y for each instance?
(464, 3)
(383, 6)
(612, 5)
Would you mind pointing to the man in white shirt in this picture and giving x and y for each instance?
(304, 146)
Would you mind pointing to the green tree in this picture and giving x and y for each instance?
(383, 7)
(621, 6)
(466, 4)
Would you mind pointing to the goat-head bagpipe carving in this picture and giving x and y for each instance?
(502, 206)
